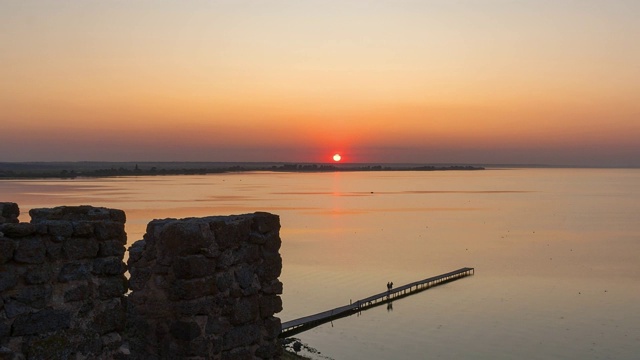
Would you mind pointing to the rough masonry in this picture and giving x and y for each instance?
(199, 288)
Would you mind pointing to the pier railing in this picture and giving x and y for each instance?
(296, 326)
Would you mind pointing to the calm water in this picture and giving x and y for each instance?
(556, 252)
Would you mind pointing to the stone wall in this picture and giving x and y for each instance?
(62, 283)
(201, 288)
(207, 288)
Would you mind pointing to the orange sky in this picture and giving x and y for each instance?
(552, 82)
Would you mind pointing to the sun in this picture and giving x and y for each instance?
(337, 157)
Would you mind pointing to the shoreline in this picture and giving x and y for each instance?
(70, 170)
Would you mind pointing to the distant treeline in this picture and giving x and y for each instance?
(22, 171)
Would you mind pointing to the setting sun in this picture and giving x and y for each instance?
(337, 157)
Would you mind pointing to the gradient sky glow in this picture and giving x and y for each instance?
(469, 81)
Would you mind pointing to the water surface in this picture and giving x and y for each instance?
(556, 252)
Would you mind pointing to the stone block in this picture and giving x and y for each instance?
(185, 330)
(41, 322)
(30, 251)
(108, 266)
(264, 223)
(111, 248)
(193, 266)
(9, 212)
(272, 327)
(77, 293)
(231, 233)
(74, 271)
(192, 289)
(38, 274)
(241, 336)
(179, 238)
(270, 305)
(7, 247)
(36, 296)
(112, 287)
(238, 354)
(82, 228)
(80, 248)
(111, 230)
(245, 310)
(109, 320)
(58, 228)
(17, 230)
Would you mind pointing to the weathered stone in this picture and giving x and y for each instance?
(53, 346)
(76, 213)
(265, 223)
(110, 320)
(111, 230)
(14, 308)
(193, 266)
(30, 251)
(17, 230)
(7, 247)
(82, 228)
(200, 306)
(54, 247)
(34, 296)
(217, 325)
(108, 266)
(9, 212)
(181, 238)
(112, 287)
(136, 250)
(270, 305)
(269, 351)
(246, 277)
(194, 288)
(41, 322)
(238, 354)
(38, 275)
(58, 228)
(111, 248)
(185, 330)
(273, 287)
(231, 236)
(245, 310)
(270, 269)
(80, 248)
(5, 330)
(73, 272)
(272, 326)
(77, 293)
(224, 281)
(241, 336)
(248, 254)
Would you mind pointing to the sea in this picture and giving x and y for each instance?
(556, 253)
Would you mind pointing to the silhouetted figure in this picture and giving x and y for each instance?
(390, 306)
(391, 285)
(388, 286)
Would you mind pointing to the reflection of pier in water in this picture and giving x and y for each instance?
(296, 326)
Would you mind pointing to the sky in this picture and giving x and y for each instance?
(432, 81)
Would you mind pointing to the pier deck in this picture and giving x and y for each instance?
(296, 326)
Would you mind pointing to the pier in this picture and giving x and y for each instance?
(297, 326)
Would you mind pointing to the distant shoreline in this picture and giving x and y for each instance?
(70, 170)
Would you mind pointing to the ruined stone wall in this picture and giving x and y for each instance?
(62, 283)
(207, 288)
(201, 288)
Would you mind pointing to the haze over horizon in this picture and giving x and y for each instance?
(434, 81)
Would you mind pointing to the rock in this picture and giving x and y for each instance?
(30, 251)
(17, 230)
(7, 247)
(41, 322)
(80, 248)
(9, 212)
(185, 330)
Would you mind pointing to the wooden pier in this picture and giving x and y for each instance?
(297, 326)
